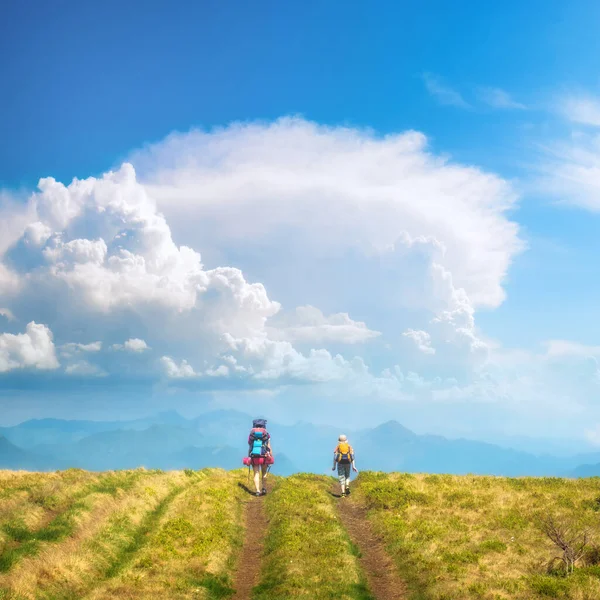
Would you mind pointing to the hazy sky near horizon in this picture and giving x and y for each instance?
(335, 212)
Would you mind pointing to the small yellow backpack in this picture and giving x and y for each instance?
(344, 454)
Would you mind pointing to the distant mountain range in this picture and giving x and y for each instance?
(586, 471)
(169, 441)
(13, 457)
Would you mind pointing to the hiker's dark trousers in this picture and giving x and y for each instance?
(344, 474)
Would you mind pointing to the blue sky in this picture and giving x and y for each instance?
(106, 78)
(492, 279)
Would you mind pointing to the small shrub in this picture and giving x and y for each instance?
(569, 536)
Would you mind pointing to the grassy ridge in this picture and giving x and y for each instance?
(127, 534)
(307, 552)
(30, 500)
(189, 551)
(460, 538)
(104, 528)
(150, 534)
(39, 508)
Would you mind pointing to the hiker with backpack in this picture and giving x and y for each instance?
(343, 457)
(260, 454)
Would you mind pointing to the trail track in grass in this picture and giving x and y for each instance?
(378, 567)
(249, 564)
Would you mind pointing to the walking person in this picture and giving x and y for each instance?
(260, 454)
(343, 457)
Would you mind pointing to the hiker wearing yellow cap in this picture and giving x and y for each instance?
(343, 457)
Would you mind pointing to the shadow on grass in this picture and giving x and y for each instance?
(246, 489)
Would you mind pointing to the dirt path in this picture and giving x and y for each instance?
(248, 568)
(378, 567)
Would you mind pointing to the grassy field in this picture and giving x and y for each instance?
(151, 534)
(480, 537)
(128, 534)
(308, 554)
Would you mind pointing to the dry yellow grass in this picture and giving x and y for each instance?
(33, 498)
(479, 537)
(65, 569)
(131, 534)
(192, 550)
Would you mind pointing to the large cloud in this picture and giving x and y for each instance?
(106, 249)
(339, 222)
(318, 244)
(98, 257)
(316, 194)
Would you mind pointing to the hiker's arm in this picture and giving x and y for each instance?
(334, 457)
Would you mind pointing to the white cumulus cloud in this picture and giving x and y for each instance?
(136, 345)
(73, 347)
(174, 370)
(293, 196)
(132, 345)
(32, 349)
(421, 339)
(261, 358)
(308, 324)
(374, 231)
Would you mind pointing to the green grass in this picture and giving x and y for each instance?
(139, 536)
(307, 552)
(188, 547)
(461, 538)
(91, 540)
(153, 534)
(21, 540)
